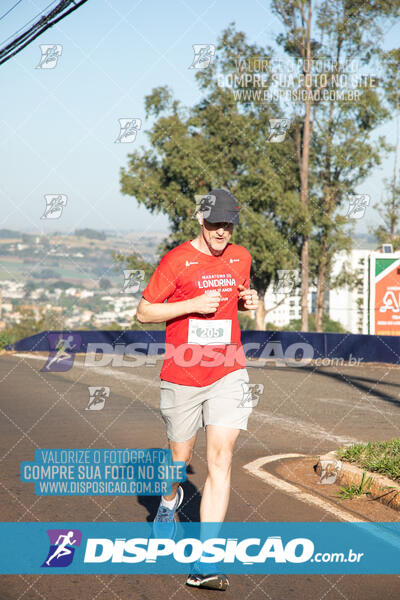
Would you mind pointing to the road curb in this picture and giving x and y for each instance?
(382, 488)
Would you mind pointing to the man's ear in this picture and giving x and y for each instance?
(200, 217)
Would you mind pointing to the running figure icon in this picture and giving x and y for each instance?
(62, 549)
(62, 347)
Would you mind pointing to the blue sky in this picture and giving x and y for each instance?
(58, 126)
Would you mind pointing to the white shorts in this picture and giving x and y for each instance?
(186, 408)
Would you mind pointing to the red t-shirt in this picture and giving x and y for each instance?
(200, 349)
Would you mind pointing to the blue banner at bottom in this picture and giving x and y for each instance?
(172, 548)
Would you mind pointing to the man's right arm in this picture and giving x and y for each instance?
(157, 312)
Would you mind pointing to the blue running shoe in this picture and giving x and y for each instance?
(165, 523)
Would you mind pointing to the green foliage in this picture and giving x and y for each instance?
(342, 149)
(5, 338)
(272, 327)
(388, 232)
(29, 325)
(91, 234)
(30, 286)
(246, 322)
(132, 261)
(94, 303)
(135, 325)
(62, 285)
(350, 491)
(45, 274)
(104, 283)
(381, 457)
(328, 325)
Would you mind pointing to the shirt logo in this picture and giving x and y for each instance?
(188, 263)
(231, 260)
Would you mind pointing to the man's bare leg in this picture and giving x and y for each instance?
(220, 444)
(180, 451)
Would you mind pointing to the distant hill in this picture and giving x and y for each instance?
(9, 234)
(366, 241)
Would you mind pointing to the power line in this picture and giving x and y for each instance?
(10, 9)
(30, 21)
(45, 22)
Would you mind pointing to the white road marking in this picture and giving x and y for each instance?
(255, 469)
(302, 427)
(364, 407)
(102, 370)
(380, 530)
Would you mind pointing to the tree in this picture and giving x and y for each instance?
(222, 141)
(345, 127)
(388, 232)
(104, 283)
(134, 262)
(389, 207)
(296, 16)
(29, 325)
(327, 37)
(29, 287)
(328, 325)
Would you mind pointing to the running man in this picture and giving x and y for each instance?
(205, 281)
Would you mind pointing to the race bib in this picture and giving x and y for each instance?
(209, 332)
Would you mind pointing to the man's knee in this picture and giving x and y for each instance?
(188, 457)
(219, 459)
(181, 452)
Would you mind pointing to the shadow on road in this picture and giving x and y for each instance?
(367, 385)
(190, 508)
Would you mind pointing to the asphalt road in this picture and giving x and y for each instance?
(302, 410)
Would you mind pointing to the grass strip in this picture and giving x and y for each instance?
(379, 457)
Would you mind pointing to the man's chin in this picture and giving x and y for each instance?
(218, 249)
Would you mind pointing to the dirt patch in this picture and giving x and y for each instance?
(300, 471)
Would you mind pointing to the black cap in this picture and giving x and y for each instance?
(219, 206)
